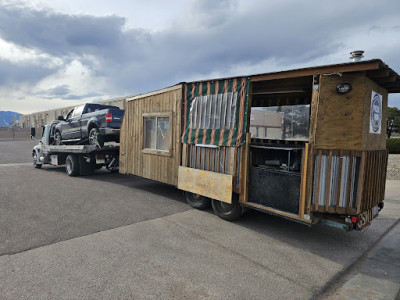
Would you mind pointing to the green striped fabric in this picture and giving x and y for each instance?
(234, 135)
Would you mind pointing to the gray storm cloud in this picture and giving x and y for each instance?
(211, 38)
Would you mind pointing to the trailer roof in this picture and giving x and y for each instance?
(153, 93)
(375, 69)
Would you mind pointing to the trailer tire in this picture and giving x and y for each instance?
(35, 160)
(227, 211)
(197, 201)
(72, 165)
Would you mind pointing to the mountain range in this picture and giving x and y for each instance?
(6, 118)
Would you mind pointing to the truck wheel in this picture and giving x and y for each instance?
(197, 201)
(226, 211)
(35, 160)
(95, 139)
(72, 165)
(57, 138)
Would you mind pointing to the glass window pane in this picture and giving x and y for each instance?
(289, 122)
(150, 133)
(78, 111)
(163, 132)
(217, 111)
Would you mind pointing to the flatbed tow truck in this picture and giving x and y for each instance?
(78, 159)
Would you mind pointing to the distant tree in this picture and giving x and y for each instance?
(393, 121)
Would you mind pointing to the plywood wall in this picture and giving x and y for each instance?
(343, 120)
(134, 159)
(340, 117)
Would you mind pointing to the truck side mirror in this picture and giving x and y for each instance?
(61, 118)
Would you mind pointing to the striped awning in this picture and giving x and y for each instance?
(215, 112)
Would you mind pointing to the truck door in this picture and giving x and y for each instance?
(75, 123)
(66, 126)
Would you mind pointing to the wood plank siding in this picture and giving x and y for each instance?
(157, 165)
(343, 120)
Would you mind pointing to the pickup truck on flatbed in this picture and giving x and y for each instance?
(92, 123)
(78, 159)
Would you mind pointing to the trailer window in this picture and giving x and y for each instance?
(214, 111)
(156, 132)
(290, 122)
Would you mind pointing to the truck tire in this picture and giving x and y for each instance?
(35, 160)
(95, 139)
(57, 138)
(197, 201)
(72, 165)
(226, 211)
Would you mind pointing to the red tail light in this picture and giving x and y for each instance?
(355, 219)
(108, 117)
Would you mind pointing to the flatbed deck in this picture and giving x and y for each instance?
(77, 149)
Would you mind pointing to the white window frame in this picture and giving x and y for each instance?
(157, 116)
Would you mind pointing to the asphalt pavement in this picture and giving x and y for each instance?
(116, 236)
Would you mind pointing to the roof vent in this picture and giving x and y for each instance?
(356, 55)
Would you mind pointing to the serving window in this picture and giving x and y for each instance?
(157, 136)
(290, 122)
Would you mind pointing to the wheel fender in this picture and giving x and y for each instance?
(36, 150)
(59, 127)
(93, 122)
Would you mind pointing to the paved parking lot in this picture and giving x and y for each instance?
(117, 236)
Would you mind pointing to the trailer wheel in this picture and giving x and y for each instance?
(35, 160)
(197, 201)
(72, 165)
(227, 211)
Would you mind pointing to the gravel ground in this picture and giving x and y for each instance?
(393, 172)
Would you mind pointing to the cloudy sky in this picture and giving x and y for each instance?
(56, 53)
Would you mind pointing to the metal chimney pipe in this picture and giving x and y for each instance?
(356, 55)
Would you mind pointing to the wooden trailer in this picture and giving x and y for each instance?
(316, 151)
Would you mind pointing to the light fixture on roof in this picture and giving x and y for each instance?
(356, 55)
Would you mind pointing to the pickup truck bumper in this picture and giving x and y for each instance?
(109, 131)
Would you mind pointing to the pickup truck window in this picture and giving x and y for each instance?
(95, 107)
(78, 111)
(69, 114)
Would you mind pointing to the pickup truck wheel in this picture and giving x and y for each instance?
(72, 165)
(198, 201)
(227, 211)
(57, 138)
(35, 160)
(95, 139)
